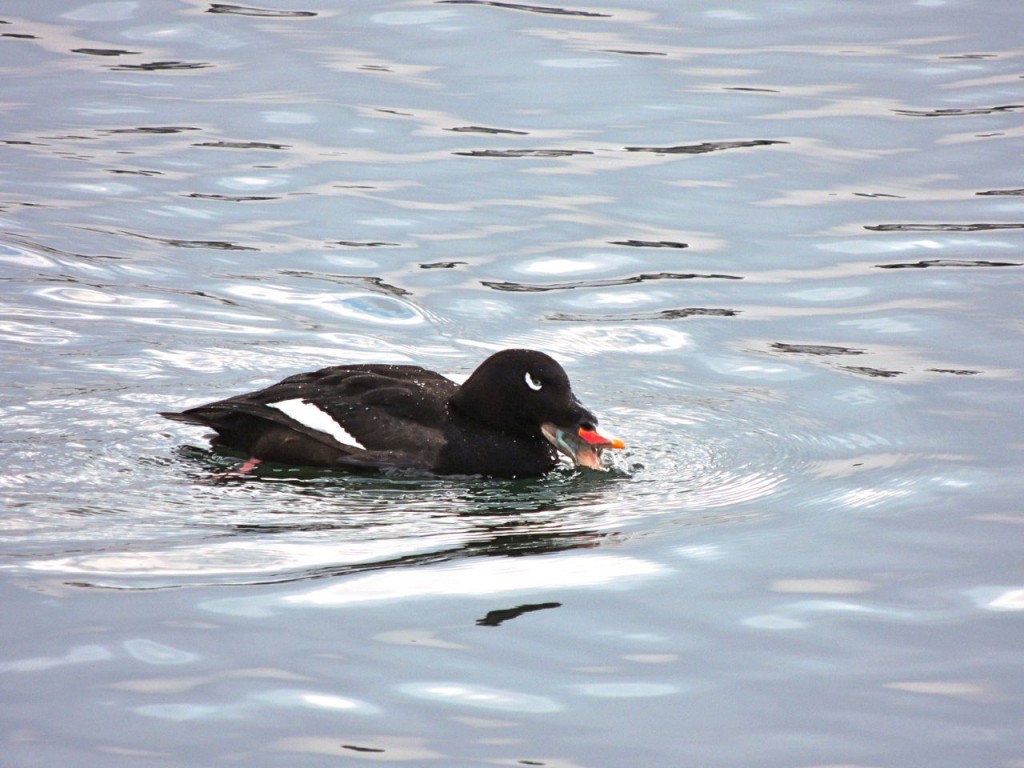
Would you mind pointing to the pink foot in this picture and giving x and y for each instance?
(249, 466)
(236, 474)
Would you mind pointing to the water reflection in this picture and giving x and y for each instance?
(379, 525)
(248, 706)
(482, 578)
(262, 13)
(479, 579)
(397, 748)
(999, 598)
(627, 690)
(153, 652)
(79, 654)
(553, 10)
(480, 697)
(499, 616)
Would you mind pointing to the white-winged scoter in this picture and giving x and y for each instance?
(509, 419)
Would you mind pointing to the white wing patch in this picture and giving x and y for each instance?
(314, 417)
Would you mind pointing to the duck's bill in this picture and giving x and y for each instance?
(583, 446)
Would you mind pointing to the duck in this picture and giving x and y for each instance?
(513, 417)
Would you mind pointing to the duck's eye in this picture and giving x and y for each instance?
(532, 383)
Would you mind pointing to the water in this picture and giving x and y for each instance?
(779, 251)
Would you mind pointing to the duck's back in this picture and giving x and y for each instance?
(347, 415)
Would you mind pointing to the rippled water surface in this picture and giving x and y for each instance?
(779, 248)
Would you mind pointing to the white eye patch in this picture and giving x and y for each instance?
(533, 383)
(309, 415)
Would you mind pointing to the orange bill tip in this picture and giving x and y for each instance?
(593, 437)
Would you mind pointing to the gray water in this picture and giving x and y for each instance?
(777, 246)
